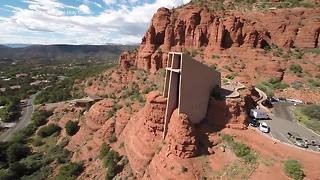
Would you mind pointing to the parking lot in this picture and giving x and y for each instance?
(282, 122)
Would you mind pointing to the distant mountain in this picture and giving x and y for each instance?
(17, 45)
(64, 52)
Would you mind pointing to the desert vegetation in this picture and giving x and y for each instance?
(72, 127)
(241, 150)
(308, 116)
(110, 160)
(19, 161)
(293, 169)
(272, 84)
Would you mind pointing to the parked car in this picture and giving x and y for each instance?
(254, 123)
(282, 99)
(273, 99)
(263, 127)
(300, 142)
(258, 114)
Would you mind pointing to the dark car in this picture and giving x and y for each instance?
(254, 123)
(282, 99)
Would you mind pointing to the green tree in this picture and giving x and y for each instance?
(72, 127)
(17, 151)
(70, 171)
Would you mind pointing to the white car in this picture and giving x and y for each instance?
(263, 127)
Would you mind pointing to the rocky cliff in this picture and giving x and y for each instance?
(193, 27)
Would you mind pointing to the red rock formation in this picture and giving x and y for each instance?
(144, 133)
(97, 115)
(195, 27)
(126, 59)
(174, 154)
(227, 113)
(181, 137)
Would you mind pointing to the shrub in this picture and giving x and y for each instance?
(70, 171)
(111, 173)
(214, 56)
(110, 113)
(18, 169)
(293, 169)
(6, 174)
(39, 118)
(112, 138)
(240, 150)
(19, 137)
(296, 68)
(121, 145)
(227, 138)
(37, 142)
(314, 82)
(17, 151)
(231, 76)
(72, 127)
(266, 89)
(110, 161)
(276, 83)
(104, 150)
(48, 130)
(297, 85)
(184, 169)
(42, 173)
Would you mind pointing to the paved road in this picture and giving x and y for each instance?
(282, 122)
(23, 122)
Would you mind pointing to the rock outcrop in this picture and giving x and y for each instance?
(181, 138)
(194, 27)
(143, 133)
(173, 159)
(227, 113)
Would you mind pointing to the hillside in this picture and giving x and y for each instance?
(253, 47)
(64, 52)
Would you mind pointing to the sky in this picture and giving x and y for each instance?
(77, 21)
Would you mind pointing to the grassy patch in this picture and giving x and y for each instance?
(272, 84)
(232, 76)
(297, 85)
(315, 83)
(293, 169)
(48, 130)
(241, 150)
(267, 162)
(236, 170)
(296, 68)
(309, 116)
(70, 171)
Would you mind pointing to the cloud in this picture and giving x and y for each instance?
(97, 4)
(84, 9)
(48, 21)
(110, 1)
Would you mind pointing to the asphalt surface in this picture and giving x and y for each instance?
(24, 120)
(282, 122)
